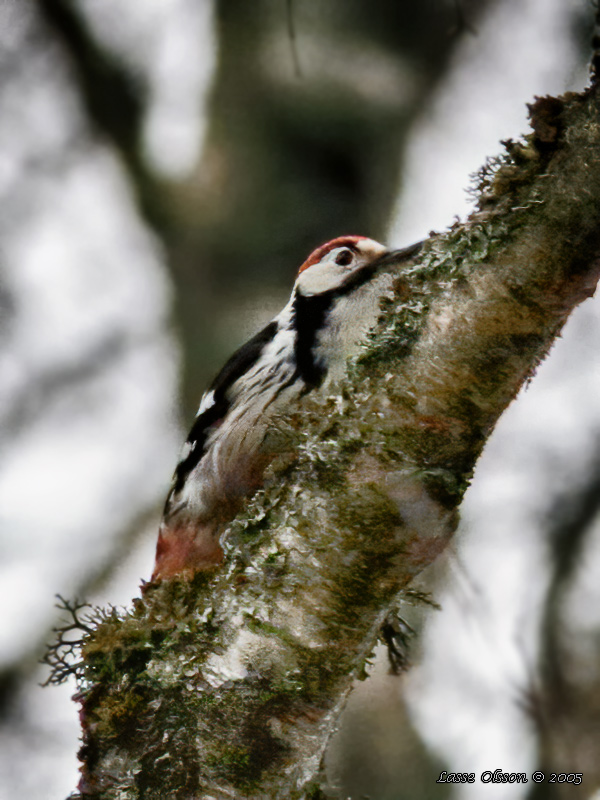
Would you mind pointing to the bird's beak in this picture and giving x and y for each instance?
(396, 257)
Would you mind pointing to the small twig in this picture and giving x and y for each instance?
(397, 634)
(292, 34)
(62, 655)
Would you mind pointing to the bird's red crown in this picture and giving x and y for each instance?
(320, 253)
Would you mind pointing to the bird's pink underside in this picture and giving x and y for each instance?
(185, 549)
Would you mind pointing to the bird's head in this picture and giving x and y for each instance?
(340, 263)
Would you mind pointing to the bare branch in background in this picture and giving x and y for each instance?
(113, 98)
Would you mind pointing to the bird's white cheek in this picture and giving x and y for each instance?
(347, 325)
(321, 278)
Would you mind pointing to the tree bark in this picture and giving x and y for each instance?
(230, 685)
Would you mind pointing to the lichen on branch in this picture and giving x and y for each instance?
(230, 685)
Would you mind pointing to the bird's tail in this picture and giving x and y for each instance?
(185, 548)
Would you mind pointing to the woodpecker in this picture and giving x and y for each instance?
(334, 302)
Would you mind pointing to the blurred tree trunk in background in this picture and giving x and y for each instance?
(305, 143)
(309, 111)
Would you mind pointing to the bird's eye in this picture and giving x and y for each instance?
(344, 257)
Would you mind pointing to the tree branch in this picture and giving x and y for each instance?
(230, 685)
(113, 98)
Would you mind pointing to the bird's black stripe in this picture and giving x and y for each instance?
(243, 359)
(310, 314)
(239, 363)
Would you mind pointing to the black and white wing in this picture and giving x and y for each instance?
(216, 402)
